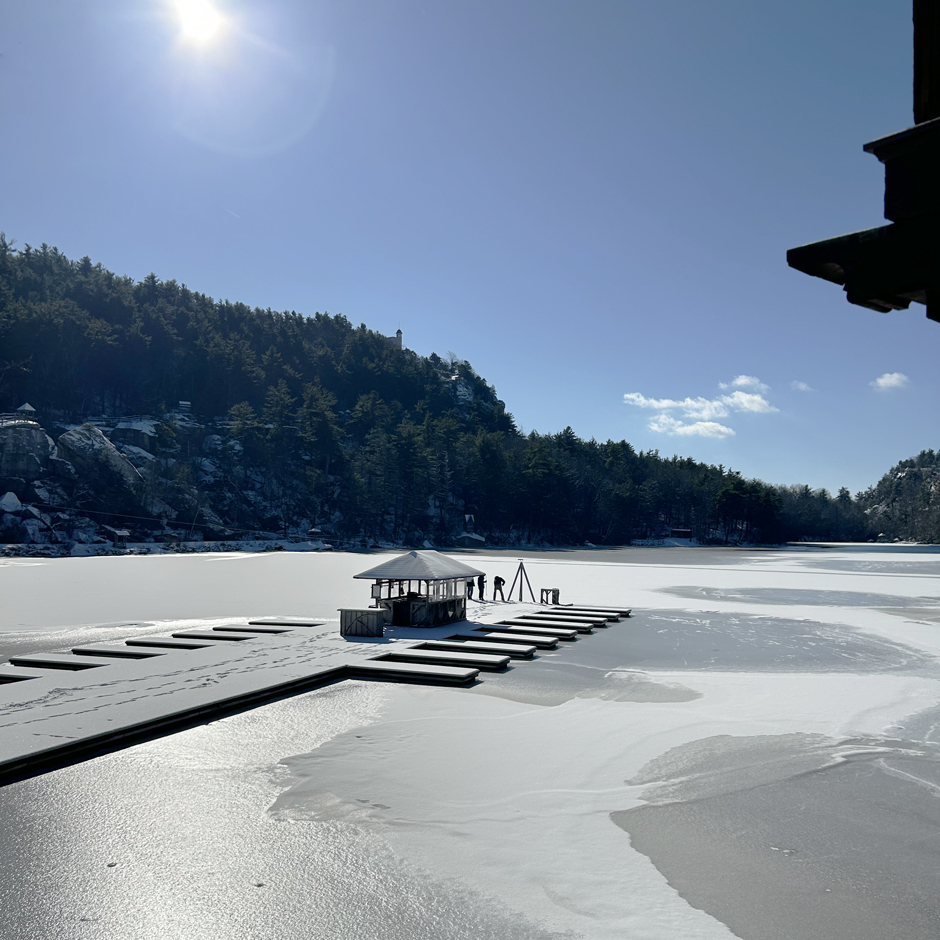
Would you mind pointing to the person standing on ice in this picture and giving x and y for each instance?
(481, 587)
(498, 583)
(470, 589)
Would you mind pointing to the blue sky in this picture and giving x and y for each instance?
(585, 200)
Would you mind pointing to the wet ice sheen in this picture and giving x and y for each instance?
(172, 839)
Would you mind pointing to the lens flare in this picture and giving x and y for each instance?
(200, 21)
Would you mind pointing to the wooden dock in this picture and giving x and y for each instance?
(455, 659)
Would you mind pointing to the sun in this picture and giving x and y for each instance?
(200, 20)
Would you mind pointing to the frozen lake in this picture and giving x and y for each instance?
(754, 754)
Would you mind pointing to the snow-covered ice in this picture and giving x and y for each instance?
(764, 730)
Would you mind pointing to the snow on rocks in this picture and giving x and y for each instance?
(24, 450)
(90, 451)
(10, 503)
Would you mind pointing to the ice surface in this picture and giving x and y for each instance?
(756, 752)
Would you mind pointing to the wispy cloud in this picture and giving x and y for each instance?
(748, 401)
(695, 417)
(700, 408)
(889, 380)
(667, 424)
(746, 381)
(799, 386)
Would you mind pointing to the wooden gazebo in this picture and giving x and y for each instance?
(421, 588)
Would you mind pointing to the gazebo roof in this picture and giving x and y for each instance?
(26, 407)
(419, 566)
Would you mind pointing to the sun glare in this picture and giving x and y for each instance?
(199, 19)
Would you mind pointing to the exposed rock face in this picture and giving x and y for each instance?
(62, 468)
(140, 433)
(10, 503)
(24, 451)
(92, 454)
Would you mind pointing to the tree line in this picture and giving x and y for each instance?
(319, 422)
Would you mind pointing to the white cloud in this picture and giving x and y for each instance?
(700, 408)
(667, 424)
(748, 401)
(889, 380)
(696, 416)
(746, 381)
(799, 386)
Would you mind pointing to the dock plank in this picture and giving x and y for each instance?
(581, 627)
(10, 674)
(417, 654)
(257, 631)
(622, 611)
(209, 635)
(559, 632)
(167, 642)
(516, 650)
(495, 635)
(606, 615)
(412, 672)
(598, 621)
(285, 623)
(117, 652)
(589, 611)
(54, 661)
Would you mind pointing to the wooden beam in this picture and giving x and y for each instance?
(926, 60)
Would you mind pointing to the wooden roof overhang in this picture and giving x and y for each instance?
(888, 267)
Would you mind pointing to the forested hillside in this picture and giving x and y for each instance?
(296, 421)
(905, 503)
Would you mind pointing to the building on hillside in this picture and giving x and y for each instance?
(421, 588)
(470, 540)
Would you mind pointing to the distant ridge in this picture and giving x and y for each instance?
(244, 422)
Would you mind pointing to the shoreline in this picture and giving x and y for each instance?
(13, 550)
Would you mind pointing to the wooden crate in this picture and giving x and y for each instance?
(365, 621)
